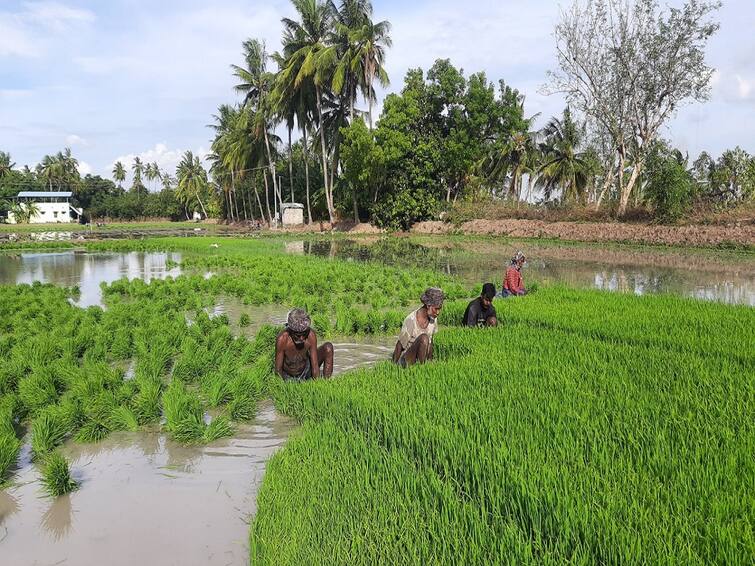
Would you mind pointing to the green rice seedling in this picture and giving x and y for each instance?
(218, 428)
(48, 430)
(37, 390)
(11, 372)
(216, 387)
(182, 409)
(56, 476)
(322, 325)
(123, 417)
(244, 320)
(146, 403)
(92, 431)
(9, 448)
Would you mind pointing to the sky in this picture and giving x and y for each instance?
(113, 79)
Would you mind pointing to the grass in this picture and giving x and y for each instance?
(588, 428)
(56, 476)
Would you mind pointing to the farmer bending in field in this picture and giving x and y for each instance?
(512, 282)
(481, 312)
(297, 356)
(415, 342)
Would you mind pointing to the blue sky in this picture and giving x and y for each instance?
(114, 79)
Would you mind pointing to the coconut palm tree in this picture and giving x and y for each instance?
(192, 180)
(256, 84)
(152, 172)
(24, 211)
(49, 170)
(304, 42)
(564, 168)
(370, 42)
(6, 165)
(296, 98)
(138, 169)
(119, 174)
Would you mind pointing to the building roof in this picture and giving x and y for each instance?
(45, 194)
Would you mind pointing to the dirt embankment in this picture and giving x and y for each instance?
(738, 235)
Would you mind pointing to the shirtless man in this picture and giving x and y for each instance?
(297, 356)
(415, 342)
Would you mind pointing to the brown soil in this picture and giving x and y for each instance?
(348, 227)
(738, 235)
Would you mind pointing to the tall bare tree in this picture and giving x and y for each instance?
(629, 65)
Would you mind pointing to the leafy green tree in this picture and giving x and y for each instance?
(669, 185)
(360, 158)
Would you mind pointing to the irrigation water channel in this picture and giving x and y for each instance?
(145, 499)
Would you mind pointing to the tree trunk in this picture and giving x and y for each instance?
(328, 197)
(290, 166)
(627, 191)
(233, 190)
(243, 206)
(201, 205)
(267, 199)
(306, 173)
(356, 206)
(259, 202)
(606, 185)
(271, 164)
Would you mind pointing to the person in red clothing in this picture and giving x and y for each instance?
(512, 282)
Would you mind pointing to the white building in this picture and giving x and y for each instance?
(52, 207)
(292, 213)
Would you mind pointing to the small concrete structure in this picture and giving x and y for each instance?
(54, 207)
(292, 213)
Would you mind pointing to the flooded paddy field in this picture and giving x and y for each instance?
(144, 499)
(703, 274)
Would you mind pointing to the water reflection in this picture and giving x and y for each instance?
(58, 519)
(87, 270)
(708, 275)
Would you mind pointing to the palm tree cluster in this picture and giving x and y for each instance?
(331, 56)
(60, 171)
(555, 159)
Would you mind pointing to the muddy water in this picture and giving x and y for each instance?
(86, 270)
(144, 500)
(711, 275)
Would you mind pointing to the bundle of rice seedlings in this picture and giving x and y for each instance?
(56, 475)
(219, 427)
(123, 417)
(48, 430)
(146, 403)
(37, 390)
(9, 447)
(244, 320)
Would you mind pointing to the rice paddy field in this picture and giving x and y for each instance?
(588, 428)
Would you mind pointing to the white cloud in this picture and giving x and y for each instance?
(15, 41)
(84, 168)
(55, 16)
(29, 32)
(73, 139)
(744, 87)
